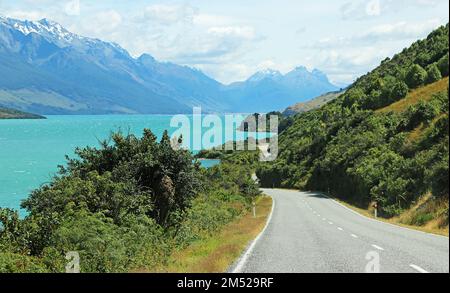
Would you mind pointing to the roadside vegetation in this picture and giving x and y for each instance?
(126, 206)
(385, 140)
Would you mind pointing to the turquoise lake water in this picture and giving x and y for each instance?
(31, 150)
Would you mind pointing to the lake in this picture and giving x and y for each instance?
(31, 150)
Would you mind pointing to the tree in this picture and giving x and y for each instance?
(399, 91)
(443, 65)
(433, 74)
(416, 76)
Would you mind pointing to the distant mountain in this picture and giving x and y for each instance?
(14, 114)
(312, 104)
(270, 90)
(46, 69)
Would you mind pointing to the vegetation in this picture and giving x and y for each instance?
(6, 113)
(125, 206)
(218, 252)
(384, 140)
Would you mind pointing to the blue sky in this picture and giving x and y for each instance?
(230, 40)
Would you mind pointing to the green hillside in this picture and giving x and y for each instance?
(385, 139)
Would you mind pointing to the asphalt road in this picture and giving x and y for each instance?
(310, 233)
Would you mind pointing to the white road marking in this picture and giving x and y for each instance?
(340, 229)
(324, 219)
(353, 235)
(331, 223)
(419, 269)
(377, 247)
(240, 265)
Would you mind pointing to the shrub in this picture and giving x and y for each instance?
(416, 76)
(433, 74)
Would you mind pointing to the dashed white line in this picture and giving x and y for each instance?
(419, 269)
(331, 223)
(324, 219)
(353, 235)
(377, 247)
(340, 229)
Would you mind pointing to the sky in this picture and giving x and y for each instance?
(232, 39)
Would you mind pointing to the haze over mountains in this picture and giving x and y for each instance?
(46, 69)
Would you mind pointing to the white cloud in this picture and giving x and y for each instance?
(170, 14)
(244, 32)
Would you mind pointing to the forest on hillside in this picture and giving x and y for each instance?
(385, 140)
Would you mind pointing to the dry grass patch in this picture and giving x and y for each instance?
(424, 93)
(217, 253)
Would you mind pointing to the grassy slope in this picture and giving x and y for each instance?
(217, 253)
(421, 94)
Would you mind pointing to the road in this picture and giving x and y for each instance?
(311, 233)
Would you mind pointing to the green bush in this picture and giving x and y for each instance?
(416, 76)
(433, 74)
(444, 65)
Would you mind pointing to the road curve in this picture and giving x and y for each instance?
(311, 233)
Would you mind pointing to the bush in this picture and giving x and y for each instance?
(443, 65)
(416, 76)
(433, 74)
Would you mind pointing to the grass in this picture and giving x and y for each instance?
(432, 226)
(424, 93)
(217, 253)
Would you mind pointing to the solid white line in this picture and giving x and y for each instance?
(240, 265)
(377, 247)
(340, 229)
(419, 269)
(378, 221)
(353, 235)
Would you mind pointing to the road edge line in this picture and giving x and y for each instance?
(378, 221)
(243, 259)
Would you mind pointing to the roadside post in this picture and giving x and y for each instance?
(254, 209)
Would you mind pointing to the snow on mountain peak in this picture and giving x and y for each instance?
(266, 73)
(44, 27)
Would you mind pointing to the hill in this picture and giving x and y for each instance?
(15, 114)
(385, 140)
(312, 104)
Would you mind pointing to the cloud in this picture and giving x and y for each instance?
(170, 14)
(244, 32)
(398, 31)
(102, 23)
(364, 10)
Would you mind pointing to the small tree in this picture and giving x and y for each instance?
(433, 74)
(443, 65)
(399, 91)
(416, 76)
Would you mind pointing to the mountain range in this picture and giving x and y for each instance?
(46, 69)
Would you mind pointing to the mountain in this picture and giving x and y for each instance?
(6, 113)
(385, 140)
(46, 69)
(312, 104)
(49, 70)
(270, 90)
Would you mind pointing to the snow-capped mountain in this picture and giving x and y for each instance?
(47, 69)
(270, 90)
(263, 74)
